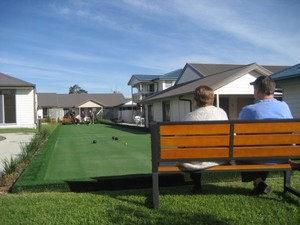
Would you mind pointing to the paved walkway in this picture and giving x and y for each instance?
(10, 145)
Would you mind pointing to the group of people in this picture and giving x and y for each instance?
(77, 119)
(266, 106)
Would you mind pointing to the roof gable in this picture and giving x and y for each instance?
(194, 71)
(89, 104)
(9, 81)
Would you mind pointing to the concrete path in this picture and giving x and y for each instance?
(10, 145)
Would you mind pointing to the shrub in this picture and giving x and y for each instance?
(9, 166)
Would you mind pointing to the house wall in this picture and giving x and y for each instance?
(178, 109)
(239, 93)
(157, 111)
(291, 93)
(240, 86)
(25, 108)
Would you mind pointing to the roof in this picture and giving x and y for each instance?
(291, 72)
(75, 100)
(173, 75)
(139, 78)
(214, 77)
(9, 81)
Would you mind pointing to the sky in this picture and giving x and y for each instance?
(100, 44)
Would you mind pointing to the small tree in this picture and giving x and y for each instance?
(76, 89)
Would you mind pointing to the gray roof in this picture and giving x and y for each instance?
(173, 75)
(74, 100)
(141, 78)
(214, 77)
(291, 72)
(9, 81)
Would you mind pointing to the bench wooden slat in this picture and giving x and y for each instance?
(267, 127)
(232, 167)
(191, 153)
(187, 141)
(266, 151)
(193, 129)
(267, 139)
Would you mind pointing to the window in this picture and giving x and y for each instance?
(45, 112)
(166, 111)
(150, 113)
(8, 106)
(151, 88)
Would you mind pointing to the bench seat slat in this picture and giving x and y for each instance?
(267, 139)
(189, 153)
(186, 141)
(193, 129)
(267, 127)
(267, 151)
(286, 166)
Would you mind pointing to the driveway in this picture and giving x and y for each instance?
(10, 145)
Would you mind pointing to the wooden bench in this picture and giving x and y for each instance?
(231, 141)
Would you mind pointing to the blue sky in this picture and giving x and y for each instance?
(100, 44)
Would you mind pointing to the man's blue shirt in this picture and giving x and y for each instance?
(266, 109)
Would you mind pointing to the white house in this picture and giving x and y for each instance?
(127, 112)
(289, 81)
(143, 86)
(17, 103)
(230, 83)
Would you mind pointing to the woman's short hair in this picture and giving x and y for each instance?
(204, 96)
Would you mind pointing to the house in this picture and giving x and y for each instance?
(57, 106)
(17, 103)
(229, 81)
(143, 86)
(289, 81)
(127, 112)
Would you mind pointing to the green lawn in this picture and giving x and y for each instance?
(70, 155)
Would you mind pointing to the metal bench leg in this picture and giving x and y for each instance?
(287, 184)
(287, 181)
(155, 188)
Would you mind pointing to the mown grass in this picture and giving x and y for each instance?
(69, 155)
(17, 130)
(221, 203)
(225, 200)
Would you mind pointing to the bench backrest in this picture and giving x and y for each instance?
(224, 140)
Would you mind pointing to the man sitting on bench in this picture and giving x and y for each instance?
(265, 107)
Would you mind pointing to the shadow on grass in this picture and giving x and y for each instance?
(125, 182)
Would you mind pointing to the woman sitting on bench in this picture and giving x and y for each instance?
(205, 110)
